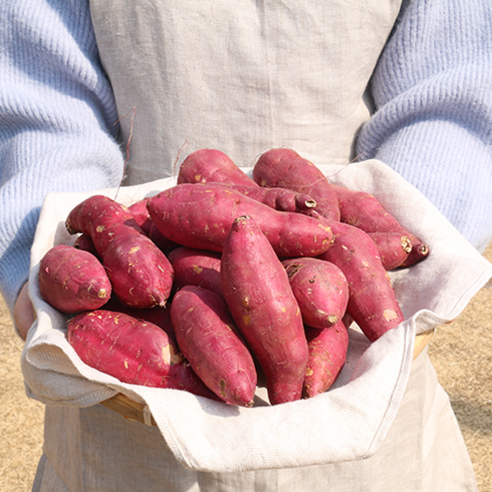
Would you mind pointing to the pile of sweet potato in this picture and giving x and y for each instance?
(223, 277)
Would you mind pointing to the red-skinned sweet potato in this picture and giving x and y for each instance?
(209, 340)
(199, 216)
(141, 215)
(196, 267)
(320, 288)
(133, 351)
(211, 165)
(366, 212)
(259, 296)
(372, 300)
(140, 273)
(393, 247)
(72, 280)
(285, 168)
(85, 243)
(327, 355)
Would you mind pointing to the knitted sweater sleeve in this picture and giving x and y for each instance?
(57, 117)
(433, 109)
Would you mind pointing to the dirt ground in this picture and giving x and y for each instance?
(461, 352)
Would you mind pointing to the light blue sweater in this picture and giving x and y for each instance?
(431, 91)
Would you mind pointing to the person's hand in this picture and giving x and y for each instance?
(23, 312)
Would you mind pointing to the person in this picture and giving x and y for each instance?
(406, 83)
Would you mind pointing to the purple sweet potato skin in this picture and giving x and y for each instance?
(211, 165)
(263, 306)
(285, 168)
(133, 351)
(327, 355)
(140, 273)
(142, 217)
(209, 340)
(393, 247)
(200, 215)
(372, 300)
(320, 288)
(196, 267)
(366, 212)
(72, 280)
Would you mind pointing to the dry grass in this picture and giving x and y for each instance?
(461, 352)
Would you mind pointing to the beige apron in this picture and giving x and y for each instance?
(239, 76)
(243, 77)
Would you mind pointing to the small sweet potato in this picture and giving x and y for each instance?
(196, 267)
(199, 216)
(72, 280)
(142, 217)
(372, 300)
(278, 198)
(320, 288)
(285, 168)
(366, 212)
(393, 247)
(263, 306)
(209, 340)
(133, 351)
(85, 243)
(327, 355)
(211, 165)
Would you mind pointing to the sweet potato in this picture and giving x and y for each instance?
(72, 280)
(285, 168)
(393, 247)
(199, 216)
(140, 273)
(209, 340)
(259, 296)
(206, 165)
(320, 288)
(196, 267)
(85, 243)
(142, 217)
(133, 351)
(327, 355)
(366, 212)
(372, 300)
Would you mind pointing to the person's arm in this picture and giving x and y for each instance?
(57, 117)
(432, 91)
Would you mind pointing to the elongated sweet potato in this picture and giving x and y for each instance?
(327, 355)
(140, 273)
(393, 247)
(199, 216)
(211, 165)
(285, 168)
(209, 340)
(372, 300)
(259, 296)
(320, 288)
(133, 351)
(72, 280)
(366, 212)
(196, 267)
